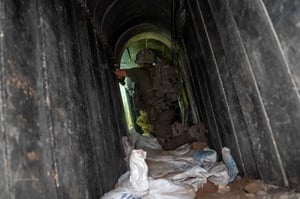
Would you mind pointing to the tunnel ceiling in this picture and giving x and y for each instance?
(119, 20)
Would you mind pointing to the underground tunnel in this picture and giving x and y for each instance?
(62, 116)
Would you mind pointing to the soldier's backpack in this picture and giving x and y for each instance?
(166, 86)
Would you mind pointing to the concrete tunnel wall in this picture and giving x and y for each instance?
(60, 122)
(246, 80)
(60, 113)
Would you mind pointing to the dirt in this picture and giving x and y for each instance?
(246, 188)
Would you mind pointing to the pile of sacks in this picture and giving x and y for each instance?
(157, 174)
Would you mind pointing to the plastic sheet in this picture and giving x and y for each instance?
(136, 184)
(180, 172)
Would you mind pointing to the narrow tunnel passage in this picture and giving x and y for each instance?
(61, 114)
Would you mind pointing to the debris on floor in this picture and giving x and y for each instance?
(191, 171)
(136, 184)
(246, 188)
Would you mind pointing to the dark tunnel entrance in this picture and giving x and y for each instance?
(61, 114)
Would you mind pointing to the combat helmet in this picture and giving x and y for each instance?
(146, 56)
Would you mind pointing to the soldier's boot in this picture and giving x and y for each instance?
(198, 132)
(177, 128)
(177, 141)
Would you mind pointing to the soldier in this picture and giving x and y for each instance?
(157, 95)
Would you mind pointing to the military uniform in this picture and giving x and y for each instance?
(160, 120)
(158, 101)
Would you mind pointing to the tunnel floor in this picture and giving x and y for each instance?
(245, 188)
(160, 165)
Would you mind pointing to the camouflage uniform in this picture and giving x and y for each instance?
(160, 119)
(157, 89)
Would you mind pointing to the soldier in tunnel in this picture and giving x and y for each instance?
(157, 89)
